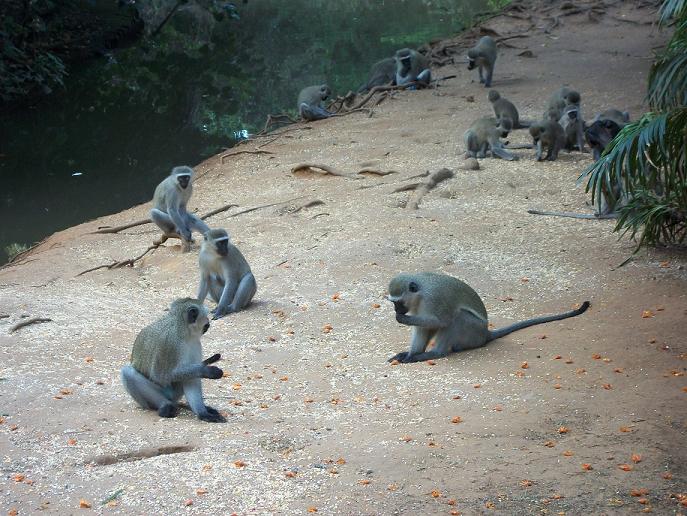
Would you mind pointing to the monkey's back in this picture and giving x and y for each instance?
(449, 294)
(309, 95)
(154, 352)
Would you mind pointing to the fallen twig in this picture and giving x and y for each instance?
(28, 322)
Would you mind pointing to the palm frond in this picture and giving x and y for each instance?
(668, 76)
(672, 9)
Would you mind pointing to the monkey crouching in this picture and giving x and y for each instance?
(167, 363)
(445, 309)
(309, 103)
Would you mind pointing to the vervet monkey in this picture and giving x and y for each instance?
(382, 73)
(169, 207)
(483, 56)
(604, 128)
(504, 108)
(445, 309)
(310, 102)
(167, 363)
(411, 66)
(548, 135)
(224, 274)
(485, 135)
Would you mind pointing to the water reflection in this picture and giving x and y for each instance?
(123, 122)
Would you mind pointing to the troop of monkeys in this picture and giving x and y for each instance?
(562, 125)
(167, 359)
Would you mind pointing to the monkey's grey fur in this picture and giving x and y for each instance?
(225, 274)
(411, 66)
(445, 309)
(485, 135)
(310, 102)
(483, 55)
(167, 362)
(169, 207)
(382, 73)
(550, 135)
(504, 108)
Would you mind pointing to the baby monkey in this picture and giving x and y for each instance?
(550, 135)
(445, 309)
(225, 274)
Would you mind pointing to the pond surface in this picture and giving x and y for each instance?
(122, 121)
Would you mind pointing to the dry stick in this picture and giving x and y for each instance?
(107, 230)
(28, 322)
(437, 177)
(376, 172)
(221, 158)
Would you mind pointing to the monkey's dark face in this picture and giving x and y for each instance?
(472, 59)
(600, 134)
(403, 294)
(572, 114)
(197, 319)
(222, 246)
(183, 180)
(405, 64)
(325, 92)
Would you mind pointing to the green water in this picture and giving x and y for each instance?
(123, 120)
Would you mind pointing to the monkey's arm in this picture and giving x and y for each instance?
(186, 373)
(204, 287)
(427, 321)
(227, 297)
(174, 212)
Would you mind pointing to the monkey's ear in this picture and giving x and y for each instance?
(192, 315)
(413, 287)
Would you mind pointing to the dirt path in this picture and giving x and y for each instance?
(318, 419)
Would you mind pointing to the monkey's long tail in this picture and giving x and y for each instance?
(495, 334)
(572, 215)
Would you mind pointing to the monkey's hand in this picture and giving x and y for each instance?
(403, 319)
(401, 357)
(212, 416)
(218, 314)
(212, 372)
(211, 360)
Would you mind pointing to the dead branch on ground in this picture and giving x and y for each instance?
(28, 322)
(229, 154)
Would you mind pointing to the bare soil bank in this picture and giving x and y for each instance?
(318, 419)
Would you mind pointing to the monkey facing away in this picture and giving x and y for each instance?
(382, 73)
(167, 362)
(504, 108)
(483, 56)
(169, 207)
(550, 135)
(485, 135)
(224, 274)
(445, 309)
(411, 66)
(310, 102)
(559, 99)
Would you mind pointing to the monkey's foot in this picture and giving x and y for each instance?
(168, 410)
(400, 357)
(212, 416)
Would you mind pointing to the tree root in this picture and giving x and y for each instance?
(437, 177)
(275, 119)
(104, 230)
(28, 322)
(221, 158)
(310, 167)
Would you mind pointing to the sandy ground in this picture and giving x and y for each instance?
(318, 420)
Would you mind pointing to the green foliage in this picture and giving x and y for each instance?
(14, 249)
(648, 158)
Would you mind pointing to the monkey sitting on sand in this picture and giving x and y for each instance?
(445, 309)
(167, 363)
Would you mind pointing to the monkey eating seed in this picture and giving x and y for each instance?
(445, 309)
